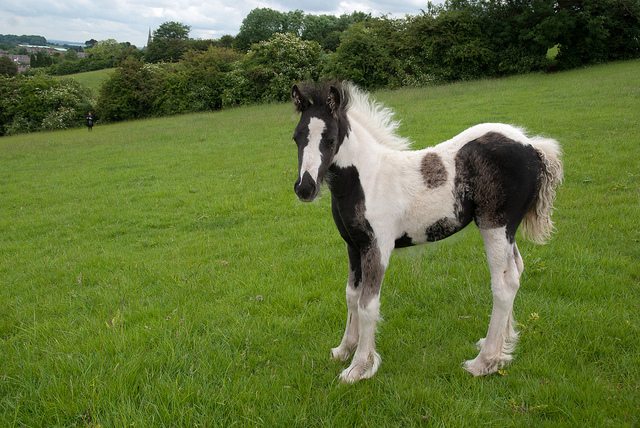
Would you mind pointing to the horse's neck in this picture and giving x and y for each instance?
(359, 159)
(360, 149)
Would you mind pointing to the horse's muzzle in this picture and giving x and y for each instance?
(306, 188)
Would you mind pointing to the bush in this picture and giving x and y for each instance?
(368, 55)
(272, 67)
(205, 75)
(7, 67)
(197, 83)
(33, 103)
(129, 91)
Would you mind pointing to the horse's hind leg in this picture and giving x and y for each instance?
(511, 333)
(518, 259)
(505, 265)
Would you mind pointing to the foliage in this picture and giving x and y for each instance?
(273, 66)
(129, 92)
(367, 54)
(262, 24)
(326, 29)
(592, 31)
(13, 40)
(138, 90)
(34, 103)
(7, 67)
(455, 40)
(172, 30)
(103, 54)
(170, 41)
(205, 73)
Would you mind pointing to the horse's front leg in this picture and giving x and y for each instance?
(366, 360)
(350, 337)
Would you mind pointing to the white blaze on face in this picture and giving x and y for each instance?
(311, 156)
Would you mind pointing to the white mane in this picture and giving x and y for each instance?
(377, 118)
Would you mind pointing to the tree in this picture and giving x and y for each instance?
(226, 41)
(259, 25)
(169, 42)
(172, 30)
(7, 67)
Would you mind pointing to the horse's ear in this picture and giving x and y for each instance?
(334, 100)
(299, 100)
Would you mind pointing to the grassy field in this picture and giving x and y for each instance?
(91, 79)
(162, 273)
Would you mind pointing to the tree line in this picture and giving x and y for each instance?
(458, 40)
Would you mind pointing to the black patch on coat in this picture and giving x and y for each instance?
(355, 266)
(348, 207)
(404, 241)
(442, 228)
(497, 181)
(433, 170)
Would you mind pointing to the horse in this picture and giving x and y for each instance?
(384, 195)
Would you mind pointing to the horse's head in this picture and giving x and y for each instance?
(319, 133)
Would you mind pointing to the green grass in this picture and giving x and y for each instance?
(162, 273)
(91, 79)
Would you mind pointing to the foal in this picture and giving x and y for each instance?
(385, 196)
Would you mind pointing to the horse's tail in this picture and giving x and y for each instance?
(537, 225)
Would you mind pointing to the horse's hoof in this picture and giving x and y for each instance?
(340, 354)
(480, 366)
(361, 369)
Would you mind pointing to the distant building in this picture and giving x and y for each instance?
(47, 49)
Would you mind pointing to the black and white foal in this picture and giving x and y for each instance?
(384, 196)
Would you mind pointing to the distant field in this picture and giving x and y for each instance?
(91, 79)
(162, 273)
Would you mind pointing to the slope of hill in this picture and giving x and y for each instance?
(91, 79)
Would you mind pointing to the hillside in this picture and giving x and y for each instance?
(162, 273)
(91, 79)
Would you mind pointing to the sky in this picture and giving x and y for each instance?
(130, 20)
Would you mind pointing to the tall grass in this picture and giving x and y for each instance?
(162, 273)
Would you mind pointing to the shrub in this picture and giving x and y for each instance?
(129, 91)
(7, 67)
(367, 55)
(33, 103)
(271, 67)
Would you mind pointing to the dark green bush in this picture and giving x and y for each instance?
(368, 55)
